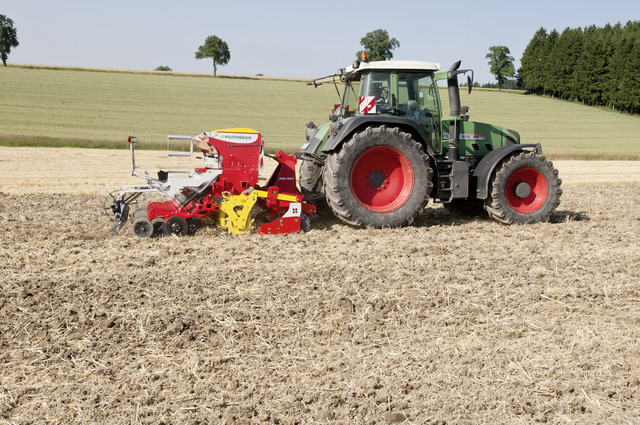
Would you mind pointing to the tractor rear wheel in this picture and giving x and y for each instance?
(525, 189)
(380, 177)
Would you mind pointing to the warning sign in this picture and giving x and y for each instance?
(367, 104)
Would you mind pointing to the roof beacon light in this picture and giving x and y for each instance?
(364, 56)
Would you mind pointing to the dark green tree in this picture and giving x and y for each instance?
(564, 58)
(615, 69)
(533, 61)
(378, 45)
(592, 66)
(597, 66)
(549, 83)
(8, 38)
(216, 49)
(625, 76)
(500, 63)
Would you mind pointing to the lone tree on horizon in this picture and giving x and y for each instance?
(216, 49)
(378, 45)
(8, 38)
(501, 63)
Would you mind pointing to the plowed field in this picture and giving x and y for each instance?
(451, 320)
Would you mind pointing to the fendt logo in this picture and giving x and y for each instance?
(465, 136)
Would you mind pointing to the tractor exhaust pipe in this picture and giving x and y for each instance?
(454, 104)
(454, 92)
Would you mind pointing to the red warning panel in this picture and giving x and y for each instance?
(367, 104)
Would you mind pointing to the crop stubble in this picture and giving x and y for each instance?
(450, 320)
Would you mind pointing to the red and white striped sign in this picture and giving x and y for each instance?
(367, 104)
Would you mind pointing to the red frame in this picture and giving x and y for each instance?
(241, 163)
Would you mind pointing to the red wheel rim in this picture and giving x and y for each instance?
(382, 179)
(527, 190)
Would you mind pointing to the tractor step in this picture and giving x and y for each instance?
(453, 181)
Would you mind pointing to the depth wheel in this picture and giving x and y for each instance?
(380, 178)
(194, 224)
(142, 228)
(524, 189)
(158, 226)
(176, 226)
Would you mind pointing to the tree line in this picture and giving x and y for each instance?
(596, 66)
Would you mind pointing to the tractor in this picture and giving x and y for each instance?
(388, 148)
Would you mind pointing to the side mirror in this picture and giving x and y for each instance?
(469, 84)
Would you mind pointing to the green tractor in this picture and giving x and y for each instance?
(388, 148)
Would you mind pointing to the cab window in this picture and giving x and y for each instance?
(417, 99)
(350, 100)
(376, 86)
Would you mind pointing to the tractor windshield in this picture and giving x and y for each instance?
(350, 99)
(375, 93)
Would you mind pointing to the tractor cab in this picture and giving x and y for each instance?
(399, 88)
(406, 94)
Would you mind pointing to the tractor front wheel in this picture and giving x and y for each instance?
(525, 189)
(381, 177)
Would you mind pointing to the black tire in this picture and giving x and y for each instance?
(158, 226)
(194, 224)
(305, 223)
(311, 181)
(524, 189)
(142, 228)
(380, 177)
(176, 226)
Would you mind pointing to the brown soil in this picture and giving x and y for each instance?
(448, 321)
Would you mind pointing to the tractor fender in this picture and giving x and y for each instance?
(483, 172)
(349, 127)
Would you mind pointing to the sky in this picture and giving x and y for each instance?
(297, 39)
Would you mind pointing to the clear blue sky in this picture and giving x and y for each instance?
(303, 39)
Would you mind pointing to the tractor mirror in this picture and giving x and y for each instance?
(469, 84)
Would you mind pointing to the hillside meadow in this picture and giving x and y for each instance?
(100, 109)
(53, 107)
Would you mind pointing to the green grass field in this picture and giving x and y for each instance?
(49, 107)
